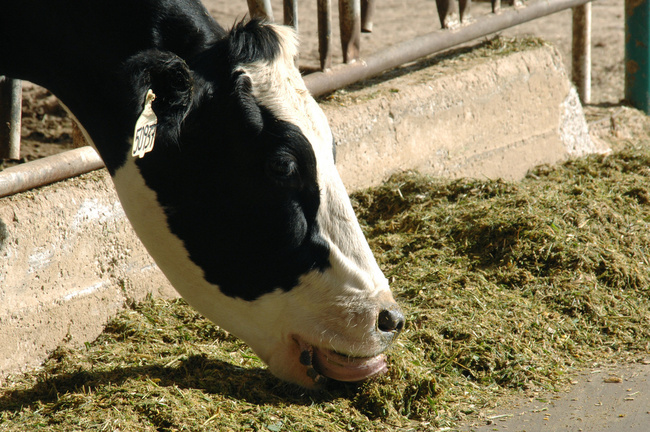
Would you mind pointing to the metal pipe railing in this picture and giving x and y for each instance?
(48, 170)
(355, 16)
(340, 76)
(77, 161)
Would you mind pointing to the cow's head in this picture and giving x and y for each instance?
(241, 206)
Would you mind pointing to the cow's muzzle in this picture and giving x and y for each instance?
(322, 363)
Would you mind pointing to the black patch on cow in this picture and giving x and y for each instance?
(243, 204)
(238, 185)
(79, 52)
(169, 77)
(240, 188)
(183, 27)
(252, 41)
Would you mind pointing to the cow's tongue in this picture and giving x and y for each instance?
(344, 368)
(322, 363)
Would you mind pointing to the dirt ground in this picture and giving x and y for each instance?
(604, 398)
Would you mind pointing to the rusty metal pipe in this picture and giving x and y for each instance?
(340, 76)
(10, 117)
(57, 167)
(48, 170)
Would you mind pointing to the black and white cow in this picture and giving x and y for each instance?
(238, 201)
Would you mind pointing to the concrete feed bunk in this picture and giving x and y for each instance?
(69, 259)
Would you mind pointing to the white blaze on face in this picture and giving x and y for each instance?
(279, 87)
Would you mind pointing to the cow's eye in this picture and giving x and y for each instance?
(284, 170)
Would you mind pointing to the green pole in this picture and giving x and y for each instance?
(637, 53)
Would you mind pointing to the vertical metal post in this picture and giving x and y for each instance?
(260, 9)
(581, 52)
(637, 53)
(464, 7)
(325, 33)
(350, 22)
(291, 13)
(10, 112)
(448, 13)
(367, 13)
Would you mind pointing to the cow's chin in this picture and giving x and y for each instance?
(311, 366)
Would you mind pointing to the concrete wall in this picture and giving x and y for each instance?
(475, 117)
(69, 260)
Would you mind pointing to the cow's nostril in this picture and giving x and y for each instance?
(390, 320)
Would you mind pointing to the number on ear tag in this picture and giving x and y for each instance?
(144, 135)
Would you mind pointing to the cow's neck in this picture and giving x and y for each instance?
(75, 49)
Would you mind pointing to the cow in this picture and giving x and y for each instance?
(224, 165)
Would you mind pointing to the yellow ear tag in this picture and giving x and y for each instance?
(144, 135)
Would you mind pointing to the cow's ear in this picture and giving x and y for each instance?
(170, 79)
(245, 103)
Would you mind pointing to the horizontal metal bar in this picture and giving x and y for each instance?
(48, 170)
(340, 76)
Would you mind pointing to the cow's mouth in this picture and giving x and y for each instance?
(324, 363)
